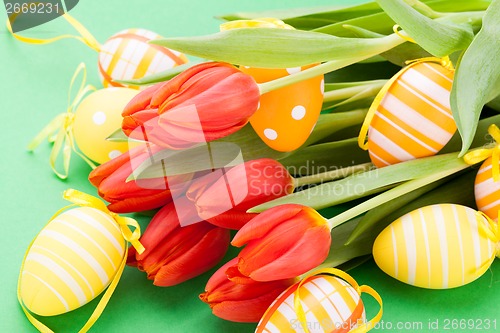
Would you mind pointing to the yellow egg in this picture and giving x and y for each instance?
(286, 117)
(437, 247)
(127, 55)
(329, 303)
(414, 117)
(487, 191)
(96, 118)
(71, 261)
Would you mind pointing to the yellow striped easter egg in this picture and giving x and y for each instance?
(330, 305)
(413, 118)
(71, 261)
(487, 191)
(286, 117)
(127, 55)
(438, 247)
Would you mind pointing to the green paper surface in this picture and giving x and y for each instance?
(34, 86)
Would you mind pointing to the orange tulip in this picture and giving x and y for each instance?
(133, 196)
(175, 254)
(282, 242)
(206, 102)
(224, 199)
(241, 301)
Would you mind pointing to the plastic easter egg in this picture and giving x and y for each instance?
(127, 55)
(437, 247)
(286, 117)
(71, 261)
(329, 304)
(96, 118)
(487, 191)
(413, 117)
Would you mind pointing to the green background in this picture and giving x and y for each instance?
(34, 84)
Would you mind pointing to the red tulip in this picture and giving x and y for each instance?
(223, 199)
(241, 302)
(175, 254)
(206, 102)
(133, 196)
(282, 242)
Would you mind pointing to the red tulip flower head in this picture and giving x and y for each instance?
(243, 301)
(206, 102)
(282, 242)
(110, 179)
(223, 198)
(175, 254)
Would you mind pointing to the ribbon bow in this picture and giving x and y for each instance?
(481, 154)
(86, 200)
(365, 327)
(60, 130)
(491, 229)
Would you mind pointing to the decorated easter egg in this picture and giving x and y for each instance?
(329, 304)
(127, 55)
(71, 261)
(96, 118)
(286, 117)
(412, 115)
(437, 247)
(487, 190)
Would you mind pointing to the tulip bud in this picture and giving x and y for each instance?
(224, 199)
(175, 254)
(110, 179)
(242, 301)
(282, 242)
(206, 102)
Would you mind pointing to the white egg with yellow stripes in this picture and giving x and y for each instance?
(127, 55)
(71, 261)
(438, 247)
(412, 116)
(329, 304)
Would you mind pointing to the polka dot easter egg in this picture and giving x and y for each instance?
(286, 117)
(71, 261)
(438, 247)
(96, 118)
(411, 115)
(326, 304)
(127, 55)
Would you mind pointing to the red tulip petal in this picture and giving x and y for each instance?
(141, 100)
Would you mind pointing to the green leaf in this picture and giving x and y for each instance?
(457, 190)
(477, 75)
(437, 38)
(278, 48)
(159, 77)
(363, 184)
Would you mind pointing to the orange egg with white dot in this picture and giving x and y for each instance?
(412, 116)
(127, 55)
(487, 190)
(96, 118)
(286, 117)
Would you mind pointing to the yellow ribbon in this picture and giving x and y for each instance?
(479, 155)
(396, 27)
(362, 143)
(491, 229)
(266, 22)
(365, 327)
(85, 36)
(82, 199)
(60, 130)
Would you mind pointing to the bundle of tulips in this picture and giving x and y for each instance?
(244, 149)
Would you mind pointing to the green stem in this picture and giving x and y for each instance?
(388, 42)
(345, 93)
(332, 175)
(393, 194)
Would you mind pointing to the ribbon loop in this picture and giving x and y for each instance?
(86, 200)
(481, 154)
(60, 130)
(352, 282)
